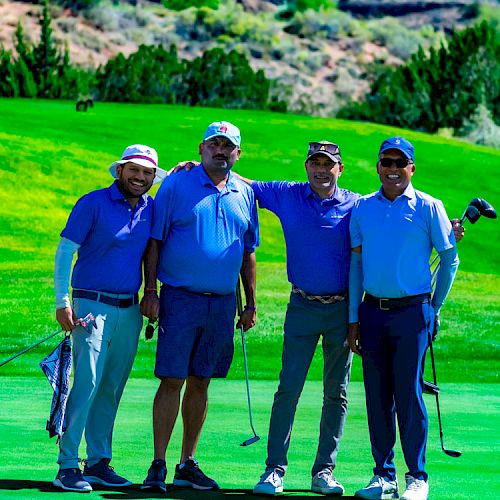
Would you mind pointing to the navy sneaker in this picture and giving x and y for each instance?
(190, 475)
(102, 473)
(155, 480)
(71, 480)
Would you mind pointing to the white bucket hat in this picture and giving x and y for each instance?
(143, 155)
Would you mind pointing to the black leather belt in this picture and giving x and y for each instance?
(388, 304)
(106, 299)
(202, 294)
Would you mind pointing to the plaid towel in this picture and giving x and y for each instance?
(57, 368)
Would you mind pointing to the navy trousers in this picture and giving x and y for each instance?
(393, 347)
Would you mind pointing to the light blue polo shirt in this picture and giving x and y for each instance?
(316, 233)
(203, 231)
(397, 239)
(113, 237)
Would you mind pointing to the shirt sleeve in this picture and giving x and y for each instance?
(269, 194)
(448, 266)
(355, 286)
(442, 235)
(62, 270)
(252, 238)
(162, 209)
(354, 227)
(81, 220)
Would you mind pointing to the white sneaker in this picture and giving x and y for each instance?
(324, 482)
(270, 483)
(379, 488)
(416, 489)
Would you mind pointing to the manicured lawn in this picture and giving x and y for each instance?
(471, 419)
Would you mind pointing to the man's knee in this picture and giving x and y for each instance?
(169, 385)
(197, 384)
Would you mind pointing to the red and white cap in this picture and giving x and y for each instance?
(142, 155)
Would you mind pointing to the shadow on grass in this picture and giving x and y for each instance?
(136, 493)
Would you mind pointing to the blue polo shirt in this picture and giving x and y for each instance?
(203, 231)
(113, 237)
(397, 239)
(316, 233)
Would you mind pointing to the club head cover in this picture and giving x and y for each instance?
(472, 214)
(88, 322)
(485, 208)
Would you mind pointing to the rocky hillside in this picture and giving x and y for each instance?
(319, 59)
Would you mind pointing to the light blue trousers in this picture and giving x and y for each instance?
(102, 362)
(306, 321)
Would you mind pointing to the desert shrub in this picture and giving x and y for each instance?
(480, 128)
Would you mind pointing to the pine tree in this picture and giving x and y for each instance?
(8, 82)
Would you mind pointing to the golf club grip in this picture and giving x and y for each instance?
(239, 302)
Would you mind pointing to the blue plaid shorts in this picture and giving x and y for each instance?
(195, 334)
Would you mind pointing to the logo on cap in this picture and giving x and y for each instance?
(222, 129)
(398, 141)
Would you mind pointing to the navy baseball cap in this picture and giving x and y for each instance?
(399, 143)
(223, 129)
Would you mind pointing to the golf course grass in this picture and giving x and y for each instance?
(50, 156)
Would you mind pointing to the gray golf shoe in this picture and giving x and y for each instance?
(324, 482)
(270, 483)
(102, 473)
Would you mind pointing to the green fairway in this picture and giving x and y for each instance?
(50, 155)
(471, 418)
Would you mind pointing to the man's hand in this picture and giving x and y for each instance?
(184, 165)
(247, 320)
(66, 318)
(437, 326)
(458, 229)
(353, 338)
(150, 305)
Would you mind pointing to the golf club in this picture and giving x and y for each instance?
(239, 304)
(30, 347)
(434, 389)
(478, 207)
(88, 322)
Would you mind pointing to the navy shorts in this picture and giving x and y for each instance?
(195, 334)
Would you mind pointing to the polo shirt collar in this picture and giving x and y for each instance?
(116, 194)
(231, 184)
(336, 196)
(409, 193)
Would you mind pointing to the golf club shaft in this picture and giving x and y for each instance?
(239, 303)
(30, 347)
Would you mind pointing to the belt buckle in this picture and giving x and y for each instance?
(381, 307)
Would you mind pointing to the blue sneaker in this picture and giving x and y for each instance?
(190, 475)
(71, 480)
(102, 473)
(155, 480)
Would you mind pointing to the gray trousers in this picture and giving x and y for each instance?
(305, 322)
(102, 362)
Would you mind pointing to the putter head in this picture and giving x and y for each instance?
(453, 453)
(250, 441)
(430, 388)
(472, 214)
(485, 208)
(88, 322)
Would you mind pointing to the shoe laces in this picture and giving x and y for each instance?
(327, 476)
(414, 484)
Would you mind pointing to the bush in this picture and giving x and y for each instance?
(481, 128)
(441, 88)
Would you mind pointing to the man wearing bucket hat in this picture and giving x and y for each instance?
(315, 220)
(205, 232)
(393, 232)
(109, 228)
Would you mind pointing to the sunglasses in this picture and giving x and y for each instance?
(322, 147)
(399, 162)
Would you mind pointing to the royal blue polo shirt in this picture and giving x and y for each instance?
(397, 239)
(203, 231)
(316, 233)
(113, 237)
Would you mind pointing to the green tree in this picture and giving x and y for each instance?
(8, 81)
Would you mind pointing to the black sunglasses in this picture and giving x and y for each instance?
(399, 162)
